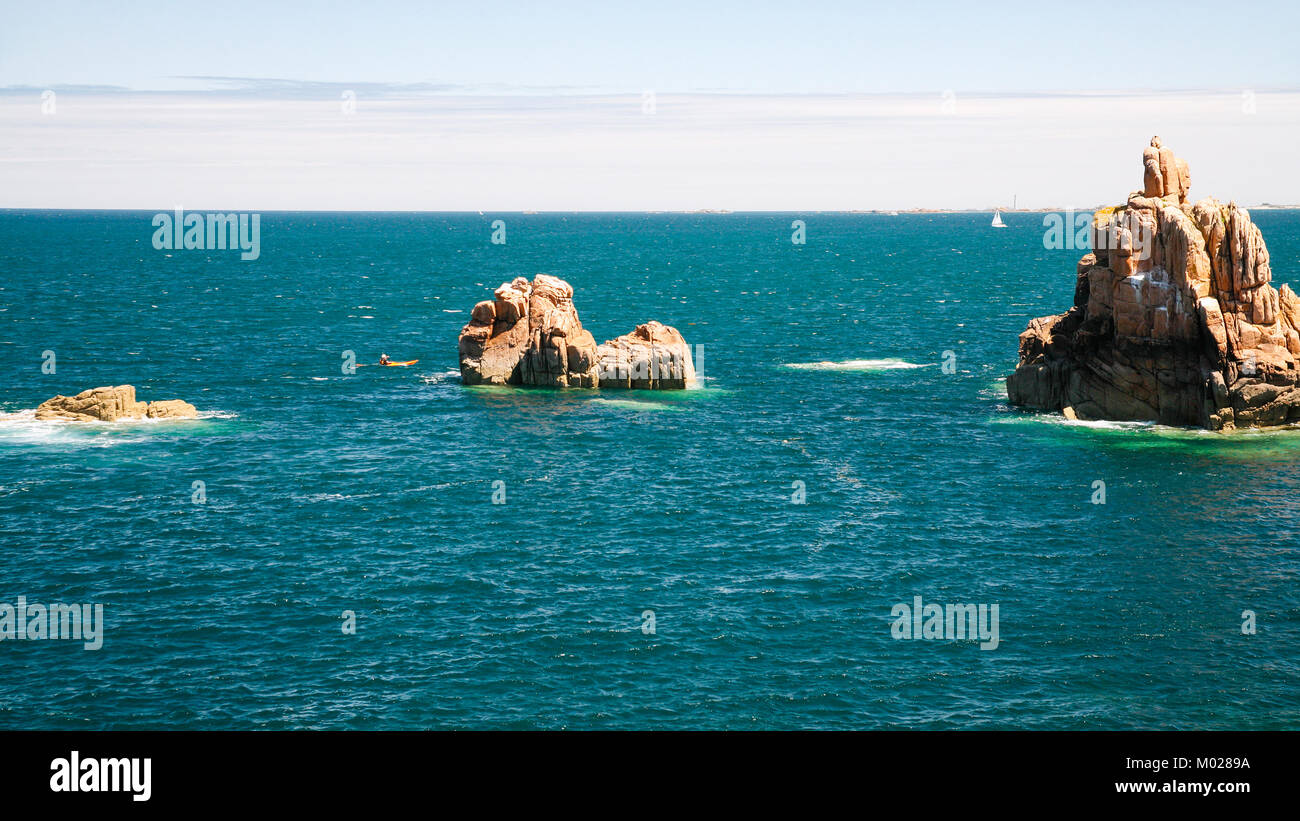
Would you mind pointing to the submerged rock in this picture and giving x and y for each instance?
(109, 404)
(1174, 318)
(530, 334)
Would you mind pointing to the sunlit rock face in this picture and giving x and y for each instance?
(109, 404)
(530, 334)
(1174, 318)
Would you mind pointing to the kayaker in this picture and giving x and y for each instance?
(383, 359)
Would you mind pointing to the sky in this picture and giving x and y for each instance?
(636, 106)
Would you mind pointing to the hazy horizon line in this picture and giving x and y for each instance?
(295, 89)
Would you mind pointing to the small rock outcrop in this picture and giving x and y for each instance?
(110, 404)
(530, 334)
(653, 357)
(1174, 318)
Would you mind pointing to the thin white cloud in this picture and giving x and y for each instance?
(420, 150)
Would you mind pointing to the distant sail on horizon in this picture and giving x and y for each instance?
(997, 219)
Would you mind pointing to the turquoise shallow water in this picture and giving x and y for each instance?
(373, 492)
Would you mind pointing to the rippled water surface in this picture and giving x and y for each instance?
(372, 492)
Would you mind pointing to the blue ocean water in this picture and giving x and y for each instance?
(372, 492)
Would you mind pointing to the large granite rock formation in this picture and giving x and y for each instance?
(530, 335)
(1174, 319)
(110, 404)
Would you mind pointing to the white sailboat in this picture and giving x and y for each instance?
(997, 219)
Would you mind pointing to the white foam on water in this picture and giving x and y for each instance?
(333, 497)
(997, 389)
(1093, 424)
(439, 378)
(865, 365)
(635, 404)
(1111, 424)
(1147, 427)
(23, 427)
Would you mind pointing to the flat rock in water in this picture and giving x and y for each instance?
(109, 404)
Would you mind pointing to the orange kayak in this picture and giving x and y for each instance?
(389, 364)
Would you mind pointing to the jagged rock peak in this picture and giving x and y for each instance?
(1175, 318)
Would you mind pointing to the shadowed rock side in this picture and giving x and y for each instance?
(530, 335)
(1174, 319)
(109, 404)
